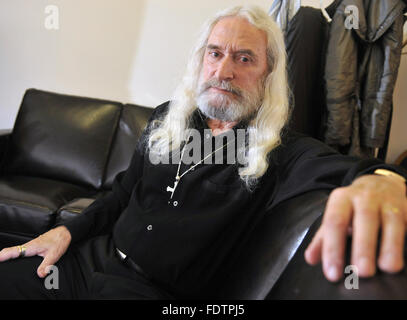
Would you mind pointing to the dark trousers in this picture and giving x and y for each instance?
(91, 270)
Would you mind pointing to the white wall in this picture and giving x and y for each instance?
(91, 54)
(398, 132)
(126, 50)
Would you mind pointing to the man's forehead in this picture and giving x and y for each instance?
(238, 33)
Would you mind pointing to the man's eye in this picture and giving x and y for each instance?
(214, 54)
(244, 59)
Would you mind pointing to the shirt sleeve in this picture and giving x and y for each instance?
(100, 216)
(304, 164)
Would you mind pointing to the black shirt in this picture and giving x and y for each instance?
(183, 242)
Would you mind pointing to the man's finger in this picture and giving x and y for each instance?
(335, 224)
(15, 252)
(49, 260)
(366, 223)
(9, 253)
(392, 243)
(314, 250)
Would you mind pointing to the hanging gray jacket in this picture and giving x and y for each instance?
(282, 11)
(361, 71)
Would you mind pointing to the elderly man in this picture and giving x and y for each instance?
(177, 223)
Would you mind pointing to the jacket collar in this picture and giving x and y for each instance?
(375, 17)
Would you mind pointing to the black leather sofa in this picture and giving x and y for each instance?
(64, 151)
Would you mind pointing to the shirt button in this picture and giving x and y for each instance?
(208, 136)
(175, 203)
(149, 227)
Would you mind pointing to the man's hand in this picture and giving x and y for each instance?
(369, 204)
(51, 246)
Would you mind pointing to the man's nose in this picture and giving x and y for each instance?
(225, 69)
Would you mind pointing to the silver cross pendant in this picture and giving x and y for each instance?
(172, 190)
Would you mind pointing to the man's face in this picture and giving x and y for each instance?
(234, 68)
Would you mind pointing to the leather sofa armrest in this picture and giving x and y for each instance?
(73, 208)
(4, 141)
(262, 259)
(302, 281)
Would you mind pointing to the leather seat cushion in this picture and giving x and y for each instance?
(73, 208)
(28, 205)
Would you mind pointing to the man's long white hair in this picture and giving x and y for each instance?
(264, 129)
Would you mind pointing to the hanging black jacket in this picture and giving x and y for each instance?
(360, 73)
(305, 39)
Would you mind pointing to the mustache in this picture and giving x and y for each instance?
(224, 85)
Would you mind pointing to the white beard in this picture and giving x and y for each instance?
(221, 106)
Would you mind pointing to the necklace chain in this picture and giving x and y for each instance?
(178, 177)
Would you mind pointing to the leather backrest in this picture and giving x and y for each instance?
(132, 122)
(63, 137)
